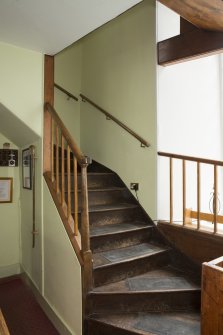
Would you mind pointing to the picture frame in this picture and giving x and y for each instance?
(26, 169)
(6, 185)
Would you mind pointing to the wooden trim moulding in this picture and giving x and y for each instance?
(68, 229)
(192, 44)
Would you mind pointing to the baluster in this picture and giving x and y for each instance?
(215, 200)
(62, 171)
(68, 184)
(198, 195)
(57, 159)
(52, 149)
(184, 190)
(75, 198)
(171, 190)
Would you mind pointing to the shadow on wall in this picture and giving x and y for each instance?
(15, 129)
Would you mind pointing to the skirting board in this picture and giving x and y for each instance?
(54, 318)
(9, 270)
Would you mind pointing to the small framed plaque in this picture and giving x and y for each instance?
(26, 169)
(6, 190)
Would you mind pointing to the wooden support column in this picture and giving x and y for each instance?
(48, 97)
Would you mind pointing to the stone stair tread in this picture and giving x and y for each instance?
(118, 228)
(168, 323)
(126, 254)
(166, 278)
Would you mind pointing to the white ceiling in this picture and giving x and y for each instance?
(49, 26)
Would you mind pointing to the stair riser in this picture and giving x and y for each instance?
(101, 198)
(145, 302)
(116, 216)
(97, 328)
(106, 198)
(96, 181)
(121, 240)
(102, 181)
(120, 271)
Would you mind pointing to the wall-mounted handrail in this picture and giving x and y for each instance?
(78, 154)
(70, 95)
(188, 214)
(143, 142)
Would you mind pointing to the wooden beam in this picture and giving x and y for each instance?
(48, 97)
(204, 14)
(186, 26)
(190, 45)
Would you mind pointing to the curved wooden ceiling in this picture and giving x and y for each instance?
(204, 14)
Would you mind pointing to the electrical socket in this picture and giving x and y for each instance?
(134, 186)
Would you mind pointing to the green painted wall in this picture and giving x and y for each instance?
(118, 63)
(68, 71)
(10, 222)
(119, 74)
(21, 84)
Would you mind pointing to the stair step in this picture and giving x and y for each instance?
(165, 289)
(102, 180)
(115, 213)
(119, 235)
(117, 264)
(118, 228)
(164, 278)
(176, 323)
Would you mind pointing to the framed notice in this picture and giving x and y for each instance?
(6, 190)
(26, 169)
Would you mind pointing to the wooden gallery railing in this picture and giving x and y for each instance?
(187, 214)
(64, 159)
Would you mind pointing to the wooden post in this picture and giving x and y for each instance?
(215, 197)
(171, 190)
(184, 190)
(48, 97)
(198, 196)
(75, 198)
(212, 298)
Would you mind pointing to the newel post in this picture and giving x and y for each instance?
(48, 98)
(85, 232)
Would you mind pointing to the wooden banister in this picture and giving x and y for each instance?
(109, 116)
(189, 214)
(192, 159)
(70, 95)
(62, 180)
(78, 154)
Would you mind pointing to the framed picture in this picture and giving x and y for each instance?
(6, 190)
(26, 169)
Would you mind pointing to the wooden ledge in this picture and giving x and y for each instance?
(199, 246)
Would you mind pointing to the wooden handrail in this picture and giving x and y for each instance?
(82, 160)
(143, 142)
(70, 95)
(190, 158)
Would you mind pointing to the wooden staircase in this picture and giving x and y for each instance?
(140, 284)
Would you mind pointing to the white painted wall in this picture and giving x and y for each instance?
(62, 272)
(189, 117)
(10, 222)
